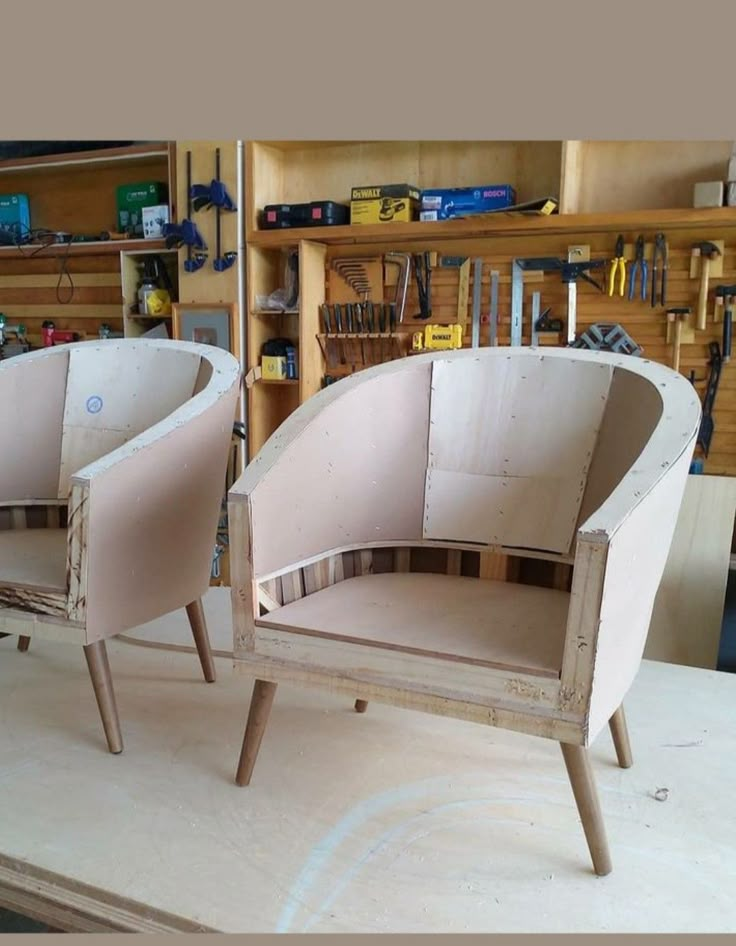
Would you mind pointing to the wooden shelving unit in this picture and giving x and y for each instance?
(88, 248)
(502, 225)
(604, 188)
(78, 285)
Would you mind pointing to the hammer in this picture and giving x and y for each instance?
(726, 293)
(677, 316)
(708, 251)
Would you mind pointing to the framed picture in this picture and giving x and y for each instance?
(206, 324)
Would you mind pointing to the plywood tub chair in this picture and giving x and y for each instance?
(478, 534)
(112, 473)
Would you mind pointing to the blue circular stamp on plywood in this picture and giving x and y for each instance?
(94, 404)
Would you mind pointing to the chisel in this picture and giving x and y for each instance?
(359, 329)
(338, 329)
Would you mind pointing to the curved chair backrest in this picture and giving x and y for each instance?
(508, 448)
(91, 398)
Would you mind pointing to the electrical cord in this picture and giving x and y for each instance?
(46, 239)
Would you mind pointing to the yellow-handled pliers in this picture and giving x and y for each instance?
(618, 265)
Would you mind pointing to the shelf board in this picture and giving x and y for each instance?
(101, 157)
(33, 251)
(501, 224)
(275, 381)
(275, 312)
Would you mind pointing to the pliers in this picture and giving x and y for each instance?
(642, 267)
(660, 250)
(618, 265)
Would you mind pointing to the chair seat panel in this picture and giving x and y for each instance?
(500, 624)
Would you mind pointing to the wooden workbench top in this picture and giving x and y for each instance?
(389, 821)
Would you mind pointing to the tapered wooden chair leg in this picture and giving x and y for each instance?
(99, 671)
(260, 709)
(620, 734)
(361, 706)
(23, 644)
(586, 798)
(195, 613)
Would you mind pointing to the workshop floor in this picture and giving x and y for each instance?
(392, 821)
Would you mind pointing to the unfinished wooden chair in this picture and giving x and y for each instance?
(477, 534)
(112, 473)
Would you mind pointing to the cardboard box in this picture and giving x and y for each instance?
(384, 203)
(708, 194)
(15, 216)
(273, 367)
(132, 198)
(154, 219)
(443, 203)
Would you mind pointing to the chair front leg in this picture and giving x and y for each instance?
(260, 709)
(23, 644)
(99, 671)
(586, 798)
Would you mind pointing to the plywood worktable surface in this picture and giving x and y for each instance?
(389, 821)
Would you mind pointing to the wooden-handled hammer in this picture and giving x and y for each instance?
(677, 316)
(708, 251)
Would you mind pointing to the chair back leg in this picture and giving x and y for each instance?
(23, 644)
(99, 671)
(620, 733)
(361, 706)
(195, 613)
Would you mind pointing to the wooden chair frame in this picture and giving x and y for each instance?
(168, 477)
(289, 523)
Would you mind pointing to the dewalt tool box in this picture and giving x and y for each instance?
(384, 203)
(437, 338)
(318, 213)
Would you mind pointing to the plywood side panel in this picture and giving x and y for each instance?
(157, 556)
(355, 473)
(688, 610)
(33, 395)
(637, 555)
(632, 412)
